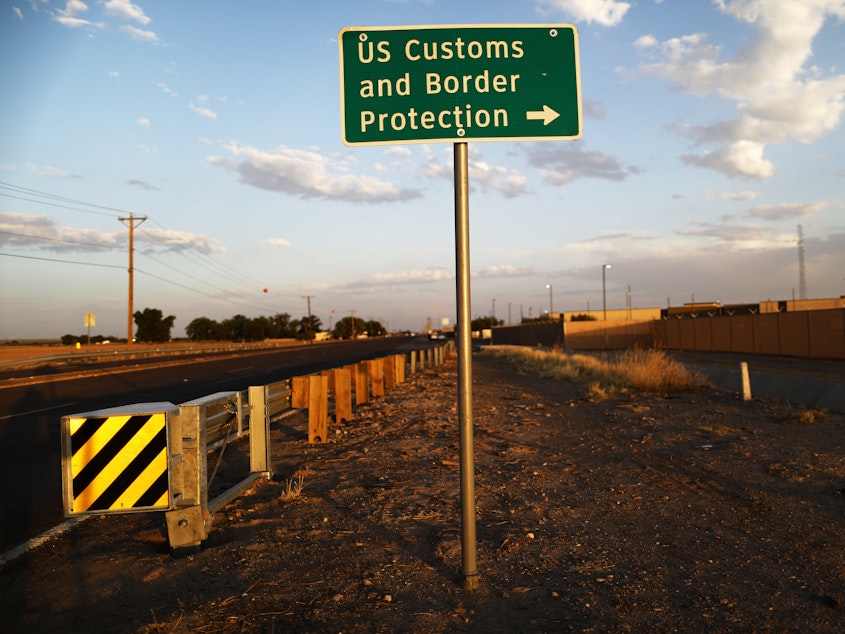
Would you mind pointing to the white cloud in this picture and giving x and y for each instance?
(202, 110)
(168, 240)
(787, 210)
(741, 159)
(39, 231)
(562, 163)
(168, 91)
(501, 271)
(49, 170)
(740, 236)
(424, 276)
(72, 7)
(307, 174)
(18, 13)
(278, 242)
(398, 151)
(738, 196)
(604, 12)
(778, 98)
(42, 232)
(508, 182)
(139, 34)
(68, 15)
(143, 122)
(125, 10)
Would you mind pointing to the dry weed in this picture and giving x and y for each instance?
(293, 488)
(809, 417)
(638, 368)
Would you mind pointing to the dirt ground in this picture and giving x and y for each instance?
(694, 512)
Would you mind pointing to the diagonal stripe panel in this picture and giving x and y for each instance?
(130, 481)
(118, 461)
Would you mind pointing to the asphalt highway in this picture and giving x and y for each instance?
(31, 409)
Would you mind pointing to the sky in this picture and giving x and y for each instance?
(711, 130)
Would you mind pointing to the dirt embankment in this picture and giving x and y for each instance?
(645, 513)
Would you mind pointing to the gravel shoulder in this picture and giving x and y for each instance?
(658, 513)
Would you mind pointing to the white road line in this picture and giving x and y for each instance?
(37, 411)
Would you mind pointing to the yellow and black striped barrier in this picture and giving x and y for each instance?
(116, 460)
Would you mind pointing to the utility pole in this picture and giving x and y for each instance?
(310, 320)
(131, 220)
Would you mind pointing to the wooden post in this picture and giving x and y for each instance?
(312, 393)
(362, 384)
(318, 409)
(389, 373)
(376, 370)
(399, 367)
(331, 376)
(299, 392)
(342, 395)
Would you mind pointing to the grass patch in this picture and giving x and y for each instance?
(644, 370)
(807, 416)
(293, 488)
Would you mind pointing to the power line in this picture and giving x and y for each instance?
(222, 299)
(32, 257)
(192, 255)
(86, 244)
(34, 192)
(227, 272)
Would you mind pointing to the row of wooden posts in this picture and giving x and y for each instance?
(363, 381)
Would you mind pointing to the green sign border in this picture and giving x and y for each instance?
(538, 68)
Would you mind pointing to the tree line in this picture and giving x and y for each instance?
(153, 327)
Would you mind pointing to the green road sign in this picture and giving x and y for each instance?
(424, 84)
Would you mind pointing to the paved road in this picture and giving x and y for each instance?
(31, 411)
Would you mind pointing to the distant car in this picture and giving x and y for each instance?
(437, 335)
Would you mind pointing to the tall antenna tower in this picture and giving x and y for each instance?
(802, 273)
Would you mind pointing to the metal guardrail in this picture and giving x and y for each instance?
(123, 353)
(158, 452)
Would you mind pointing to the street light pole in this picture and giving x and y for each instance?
(551, 310)
(604, 268)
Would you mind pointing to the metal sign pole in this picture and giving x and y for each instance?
(470, 572)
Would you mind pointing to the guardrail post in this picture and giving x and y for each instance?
(318, 409)
(259, 429)
(389, 364)
(362, 384)
(342, 395)
(311, 392)
(375, 367)
(187, 524)
(399, 367)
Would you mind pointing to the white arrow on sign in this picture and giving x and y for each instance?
(547, 115)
